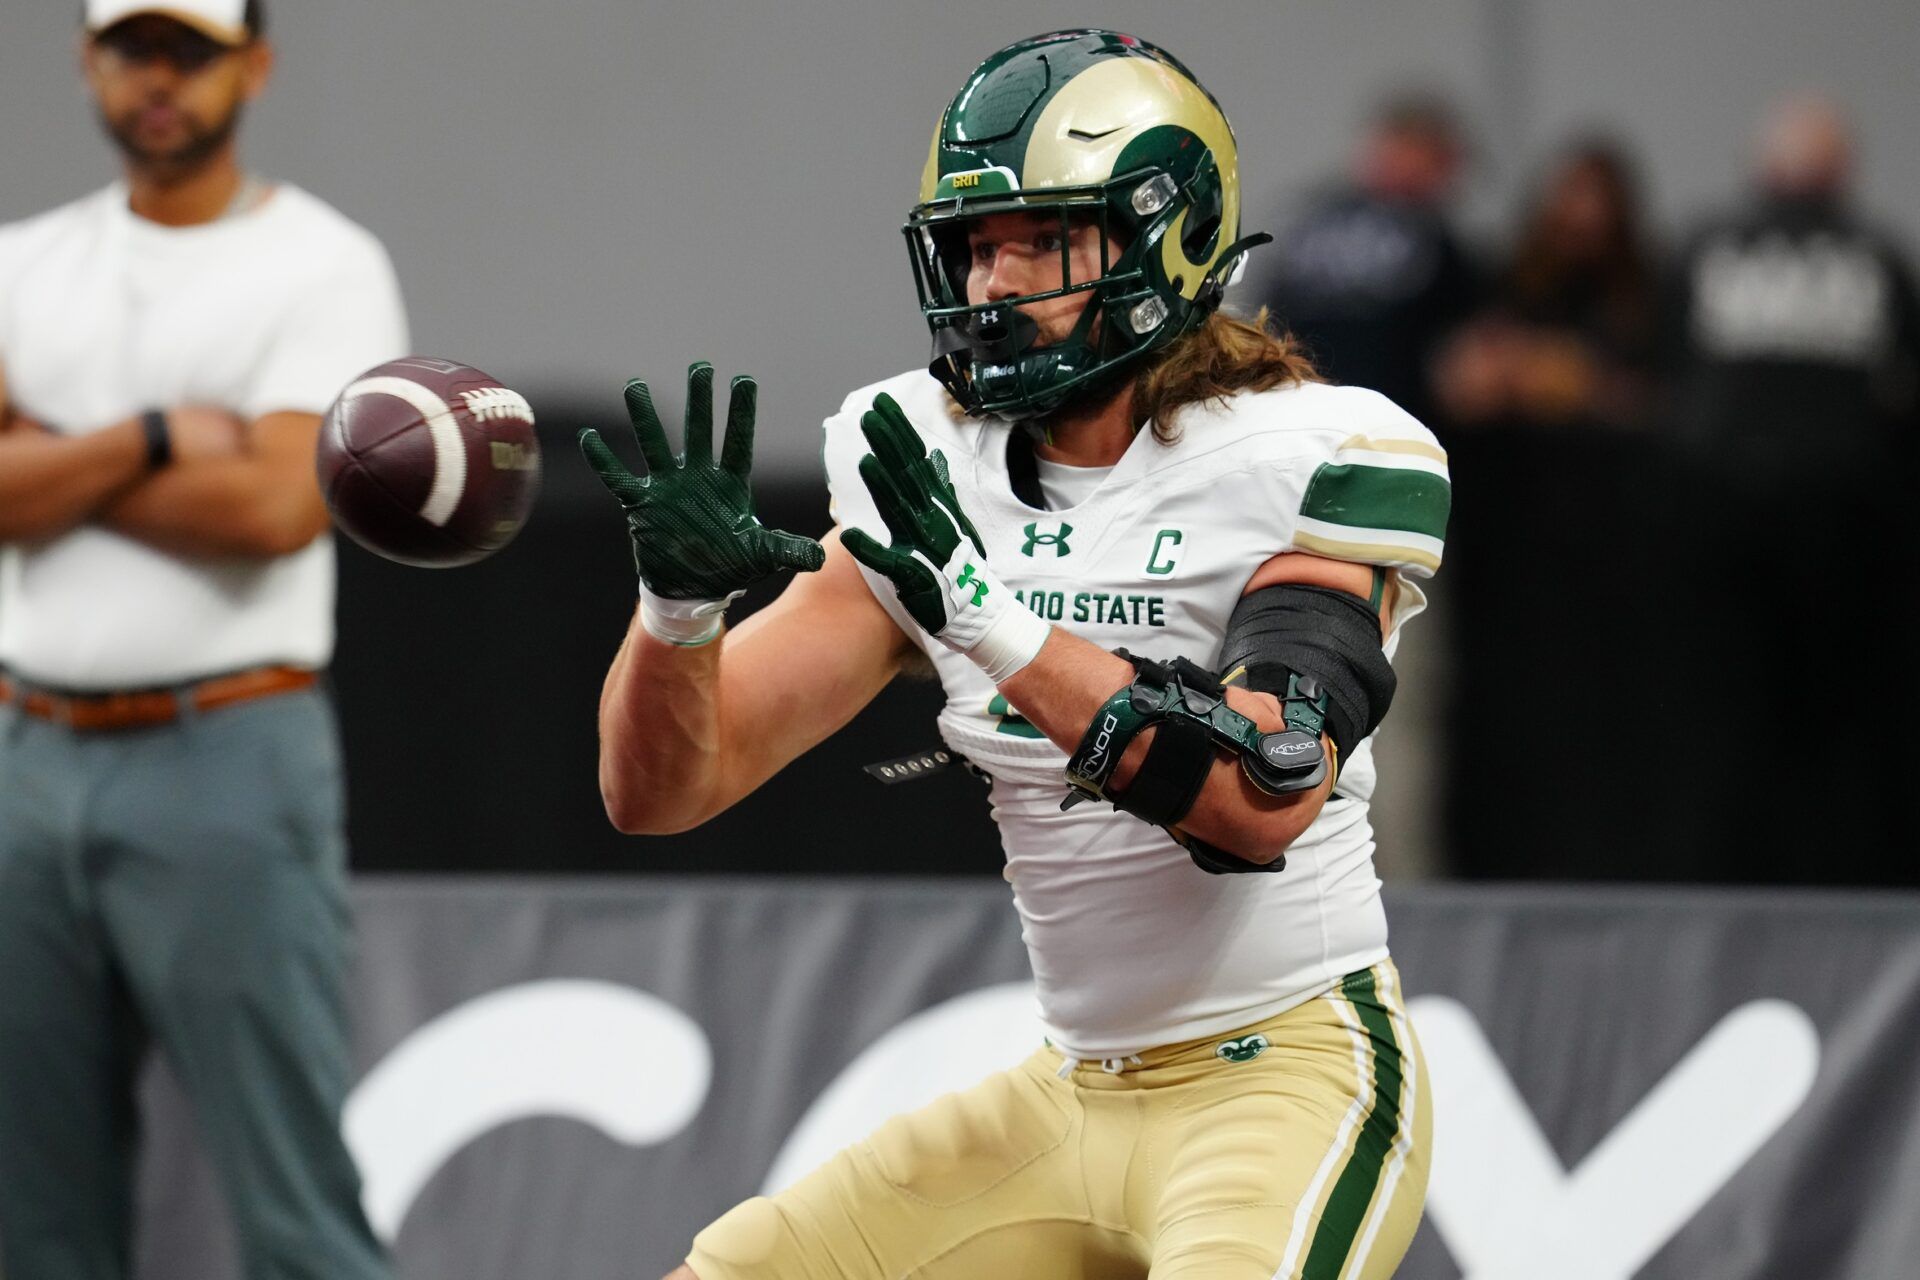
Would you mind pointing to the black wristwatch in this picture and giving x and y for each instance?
(159, 438)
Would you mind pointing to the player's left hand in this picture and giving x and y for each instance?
(937, 562)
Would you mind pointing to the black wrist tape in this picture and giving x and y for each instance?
(1328, 636)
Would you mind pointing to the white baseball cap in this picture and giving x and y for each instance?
(222, 20)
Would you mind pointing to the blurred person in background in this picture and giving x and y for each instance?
(1370, 275)
(1796, 343)
(1549, 391)
(171, 838)
(1565, 336)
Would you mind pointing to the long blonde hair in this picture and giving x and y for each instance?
(1224, 356)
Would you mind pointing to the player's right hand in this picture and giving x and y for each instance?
(695, 537)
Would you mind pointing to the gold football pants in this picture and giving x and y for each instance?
(1294, 1148)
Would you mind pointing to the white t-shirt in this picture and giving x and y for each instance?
(1131, 944)
(104, 314)
(1065, 486)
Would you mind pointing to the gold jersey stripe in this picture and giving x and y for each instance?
(1366, 552)
(1414, 448)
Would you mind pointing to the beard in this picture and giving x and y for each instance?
(179, 160)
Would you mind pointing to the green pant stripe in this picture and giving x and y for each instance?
(1353, 1191)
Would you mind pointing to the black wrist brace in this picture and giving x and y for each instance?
(1187, 707)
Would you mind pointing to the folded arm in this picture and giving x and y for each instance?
(230, 489)
(50, 483)
(259, 501)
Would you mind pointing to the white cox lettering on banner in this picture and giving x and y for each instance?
(950, 1046)
(1499, 1197)
(626, 1062)
(638, 1070)
(1508, 1210)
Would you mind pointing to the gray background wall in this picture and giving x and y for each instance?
(580, 190)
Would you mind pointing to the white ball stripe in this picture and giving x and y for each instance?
(449, 451)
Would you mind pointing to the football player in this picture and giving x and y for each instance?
(1159, 569)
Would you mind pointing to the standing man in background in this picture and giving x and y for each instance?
(1369, 275)
(1371, 278)
(171, 822)
(1797, 332)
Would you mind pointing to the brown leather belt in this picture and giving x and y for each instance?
(144, 708)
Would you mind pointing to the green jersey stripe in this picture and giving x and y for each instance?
(1364, 497)
(1011, 722)
(1353, 1191)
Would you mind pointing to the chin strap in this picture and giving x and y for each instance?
(1226, 269)
(994, 338)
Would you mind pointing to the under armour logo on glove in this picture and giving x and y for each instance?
(969, 577)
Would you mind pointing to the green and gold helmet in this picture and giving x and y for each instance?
(1092, 126)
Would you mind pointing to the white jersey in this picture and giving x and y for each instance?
(1131, 944)
(103, 315)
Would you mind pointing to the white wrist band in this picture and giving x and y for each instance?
(683, 622)
(1010, 643)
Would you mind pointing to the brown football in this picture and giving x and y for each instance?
(429, 462)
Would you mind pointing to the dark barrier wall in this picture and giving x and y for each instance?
(1572, 745)
(566, 1079)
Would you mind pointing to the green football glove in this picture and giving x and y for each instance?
(937, 562)
(696, 542)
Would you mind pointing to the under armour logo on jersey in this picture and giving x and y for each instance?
(967, 579)
(1058, 541)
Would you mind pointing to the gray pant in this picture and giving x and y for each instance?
(182, 885)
